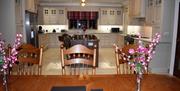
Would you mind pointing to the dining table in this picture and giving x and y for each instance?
(126, 82)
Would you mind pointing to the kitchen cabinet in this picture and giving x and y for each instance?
(137, 8)
(53, 40)
(43, 41)
(120, 40)
(18, 9)
(107, 39)
(54, 16)
(158, 11)
(19, 16)
(31, 5)
(159, 15)
(111, 16)
(153, 12)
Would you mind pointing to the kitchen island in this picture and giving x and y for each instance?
(158, 64)
(106, 40)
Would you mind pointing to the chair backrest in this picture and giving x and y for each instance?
(77, 60)
(122, 65)
(29, 60)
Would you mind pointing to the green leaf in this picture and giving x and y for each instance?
(1, 62)
(138, 67)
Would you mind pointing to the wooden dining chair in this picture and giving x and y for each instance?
(78, 60)
(29, 60)
(122, 65)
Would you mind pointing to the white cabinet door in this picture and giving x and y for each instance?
(19, 16)
(40, 16)
(18, 9)
(153, 12)
(157, 12)
(111, 16)
(137, 8)
(119, 17)
(149, 12)
(31, 5)
(104, 17)
(54, 16)
(46, 16)
(62, 16)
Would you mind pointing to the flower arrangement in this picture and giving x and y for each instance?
(8, 59)
(140, 57)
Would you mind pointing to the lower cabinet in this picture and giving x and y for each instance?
(43, 40)
(53, 40)
(108, 39)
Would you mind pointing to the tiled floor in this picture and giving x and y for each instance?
(52, 66)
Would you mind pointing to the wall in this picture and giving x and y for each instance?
(174, 32)
(7, 20)
(87, 8)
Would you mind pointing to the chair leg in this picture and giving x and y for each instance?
(94, 71)
(63, 71)
(118, 70)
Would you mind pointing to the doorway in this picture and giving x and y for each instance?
(177, 56)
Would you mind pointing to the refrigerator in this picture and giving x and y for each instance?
(31, 28)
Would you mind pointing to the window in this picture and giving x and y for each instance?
(79, 20)
(79, 24)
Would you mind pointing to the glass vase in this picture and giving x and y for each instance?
(5, 80)
(138, 81)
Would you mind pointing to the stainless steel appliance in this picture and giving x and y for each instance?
(31, 30)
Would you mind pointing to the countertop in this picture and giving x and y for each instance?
(98, 32)
(81, 32)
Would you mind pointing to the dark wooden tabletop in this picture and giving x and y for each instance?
(150, 82)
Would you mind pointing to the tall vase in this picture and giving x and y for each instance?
(5, 82)
(138, 81)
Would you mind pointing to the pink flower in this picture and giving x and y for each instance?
(131, 51)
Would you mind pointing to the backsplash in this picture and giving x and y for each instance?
(50, 28)
(145, 31)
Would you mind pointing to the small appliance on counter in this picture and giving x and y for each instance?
(115, 30)
(54, 31)
(63, 30)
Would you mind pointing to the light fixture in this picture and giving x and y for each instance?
(83, 0)
(83, 3)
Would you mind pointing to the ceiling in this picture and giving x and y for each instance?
(91, 2)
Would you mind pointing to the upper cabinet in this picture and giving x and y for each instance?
(159, 15)
(52, 16)
(153, 12)
(31, 5)
(19, 16)
(137, 8)
(19, 12)
(111, 16)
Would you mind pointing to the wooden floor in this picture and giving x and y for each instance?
(106, 82)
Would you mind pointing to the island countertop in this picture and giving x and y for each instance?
(107, 39)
